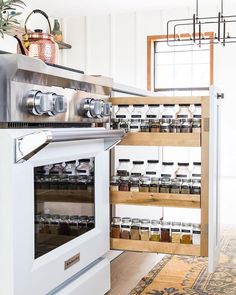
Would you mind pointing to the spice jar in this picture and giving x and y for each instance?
(138, 168)
(154, 125)
(124, 124)
(186, 233)
(196, 234)
(135, 229)
(114, 184)
(168, 111)
(167, 170)
(135, 126)
(138, 112)
(144, 184)
(184, 112)
(176, 232)
(154, 185)
(124, 183)
(124, 167)
(196, 187)
(123, 117)
(144, 127)
(175, 186)
(186, 186)
(45, 224)
(165, 185)
(165, 125)
(155, 232)
(144, 231)
(134, 184)
(196, 125)
(91, 222)
(175, 126)
(73, 225)
(165, 231)
(85, 167)
(153, 112)
(116, 227)
(186, 126)
(197, 113)
(183, 171)
(125, 228)
(70, 168)
(152, 169)
(196, 172)
(115, 124)
(54, 224)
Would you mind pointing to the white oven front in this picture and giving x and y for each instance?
(54, 212)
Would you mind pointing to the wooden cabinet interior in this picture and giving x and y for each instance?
(169, 200)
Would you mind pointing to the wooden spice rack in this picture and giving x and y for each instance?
(168, 200)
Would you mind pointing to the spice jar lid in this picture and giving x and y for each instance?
(167, 163)
(138, 105)
(134, 178)
(124, 178)
(144, 179)
(116, 219)
(186, 224)
(153, 161)
(197, 104)
(184, 105)
(155, 179)
(115, 178)
(183, 164)
(124, 160)
(84, 160)
(126, 219)
(153, 105)
(168, 105)
(146, 221)
(196, 180)
(138, 162)
(135, 220)
(123, 105)
(196, 225)
(197, 163)
(164, 223)
(155, 222)
(176, 223)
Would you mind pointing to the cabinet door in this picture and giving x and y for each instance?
(214, 181)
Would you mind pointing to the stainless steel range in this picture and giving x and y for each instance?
(54, 179)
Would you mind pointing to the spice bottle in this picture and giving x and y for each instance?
(196, 125)
(175, 126)
(197, 113)
(186, 233)
(125, 228)
(197, 116)
(186, 186)
(153, 115)
(116, 227)
(175, 186)
(135, 229)
(184, 112)
(136, 116)
(123, 117)
(114, 184)
(154, 185)
(124, 167)
(85, 167)
(167, 170)
(91, 222)
(144, 184)
(70, 168)
(167, 116)
(152, 169)
(165, 185)
(183, 171)
(196, 234)
(155, 233)
(176, 232)
(138, 168)
(165, 231)
(144, 127)
(196, 187)
(134, 184)
(124, 183)
(196, 172)
(144, 231)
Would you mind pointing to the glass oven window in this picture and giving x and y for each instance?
(64, 203)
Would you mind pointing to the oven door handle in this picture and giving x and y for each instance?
(28, 145)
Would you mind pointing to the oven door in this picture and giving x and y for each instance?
(54, 211)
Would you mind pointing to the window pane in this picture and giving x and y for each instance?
(182, 76)
(165, 76)
(201, 75)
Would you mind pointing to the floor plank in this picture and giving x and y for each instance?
(129, 268)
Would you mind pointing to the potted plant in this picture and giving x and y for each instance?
(8, 14)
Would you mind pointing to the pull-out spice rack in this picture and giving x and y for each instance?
(168, 200)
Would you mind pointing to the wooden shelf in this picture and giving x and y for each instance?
(155, 247)
(155, 199)
(71, 196)
(162, 139)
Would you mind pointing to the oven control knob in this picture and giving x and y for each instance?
(91, 108)
(59, 104)
(107, 109)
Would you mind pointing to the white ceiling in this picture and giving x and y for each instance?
(67, 8)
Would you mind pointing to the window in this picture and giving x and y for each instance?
(180, 69)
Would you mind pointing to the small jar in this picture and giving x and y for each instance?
(45, 224)
(166, 231)
(115, 124)
(144, 184)
(138, 112)
(155, 230)
(196, 234)
(134, 184)
(175, 126)
(167, 170)
(154, 125)
(152, 169)
(175, 186)
(70, 168)
(176, 232)
(186, 126)
(155, 185)
(85, 167)
(196, 125)
(186, 186)
(138, 168)
(196, 172)
(82, 182)
(135, 229)
(196, 187)
(144, 127)
(125, 228)
(197, 113)
(169, 111)
(123, 168)
(183, 171)
(124, 124)
(184, 112)
(165, 125)
(145, 230)
(91, 222)
(73, 225)
(114, 183)
(153, 112)
(124, 184)
(186, 233)
(135, 126)
(165, 185)
(122, 112)
(54, 224)
(116, 228)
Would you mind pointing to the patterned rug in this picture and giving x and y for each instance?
(178, 275)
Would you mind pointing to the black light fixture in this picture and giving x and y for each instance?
(196, 25)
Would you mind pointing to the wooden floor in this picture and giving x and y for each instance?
(129, 268)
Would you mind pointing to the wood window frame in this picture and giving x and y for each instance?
(150, 57)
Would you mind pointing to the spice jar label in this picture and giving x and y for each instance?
(121, 116)
(136, 116)
(125, 226)
(186, 231)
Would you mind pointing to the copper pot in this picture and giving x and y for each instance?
(38, 44)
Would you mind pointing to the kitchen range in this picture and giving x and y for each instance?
(54, 191)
